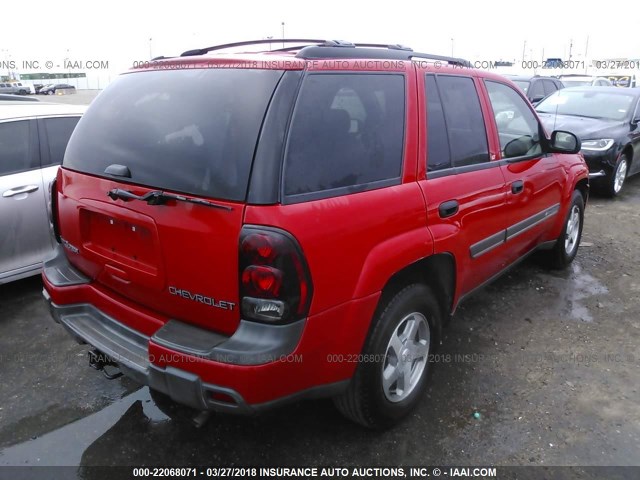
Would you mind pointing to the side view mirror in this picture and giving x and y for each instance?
(564, 142)
(536, 99)
(636, 120)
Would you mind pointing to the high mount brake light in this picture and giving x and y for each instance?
(275, 285)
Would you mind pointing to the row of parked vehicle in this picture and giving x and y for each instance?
(19, 88)
(537, 87)
(204, 237)
(603, 116)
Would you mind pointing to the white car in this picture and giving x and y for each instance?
(584, 81)
(33, 139)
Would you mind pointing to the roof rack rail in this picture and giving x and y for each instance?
(372, 50)
(336, 49)
(224, 46)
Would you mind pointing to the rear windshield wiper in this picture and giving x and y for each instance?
(156, 197)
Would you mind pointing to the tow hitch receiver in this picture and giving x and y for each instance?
(99, 361)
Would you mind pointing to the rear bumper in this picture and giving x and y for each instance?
(130, 350)
(259, 367)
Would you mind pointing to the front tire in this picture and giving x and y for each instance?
(566, 247)
(391, 376)
(615, 181)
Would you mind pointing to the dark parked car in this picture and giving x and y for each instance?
(536, 87)
(299, 229)
(607, 121)
(43, 88)
(51, 89)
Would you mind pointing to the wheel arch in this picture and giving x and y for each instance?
(437, 271)
(583, 187)
(628, 151)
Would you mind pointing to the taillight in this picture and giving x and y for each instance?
(53, 210)
(275, 285)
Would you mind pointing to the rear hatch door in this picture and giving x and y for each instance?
(153, 186)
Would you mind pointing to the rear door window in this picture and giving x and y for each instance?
(58, 131)
(549, 87)
(347, 134)
(466, 130)
(15, 147)
(537, 90)
(187, 130)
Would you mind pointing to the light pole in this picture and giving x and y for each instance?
(282, 34)
(150, 54)
(270, 38)
(570, 47)
(67, 62)
(452, 47)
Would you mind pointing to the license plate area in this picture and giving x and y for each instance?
(126, 244)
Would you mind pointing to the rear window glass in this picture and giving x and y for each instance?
(192, 131)
(347, 131)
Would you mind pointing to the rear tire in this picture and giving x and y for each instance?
(566, 247)
(392, 373)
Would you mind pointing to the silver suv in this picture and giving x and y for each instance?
(33, 139)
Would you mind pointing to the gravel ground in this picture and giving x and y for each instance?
(549, 360)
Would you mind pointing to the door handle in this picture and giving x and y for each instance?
(19, 190)
(517, 187)
(448, 208)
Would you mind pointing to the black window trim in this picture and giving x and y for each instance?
(444, 118)
(453, 170)
(482, 166)
(34, 151)
(267, 167)
(362, 187)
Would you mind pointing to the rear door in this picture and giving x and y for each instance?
(189, 133)
(534, 179)
(24, 234)
(464, 188)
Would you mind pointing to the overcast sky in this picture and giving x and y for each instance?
(119, 31)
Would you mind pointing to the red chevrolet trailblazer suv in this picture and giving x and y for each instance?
(238, 231)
